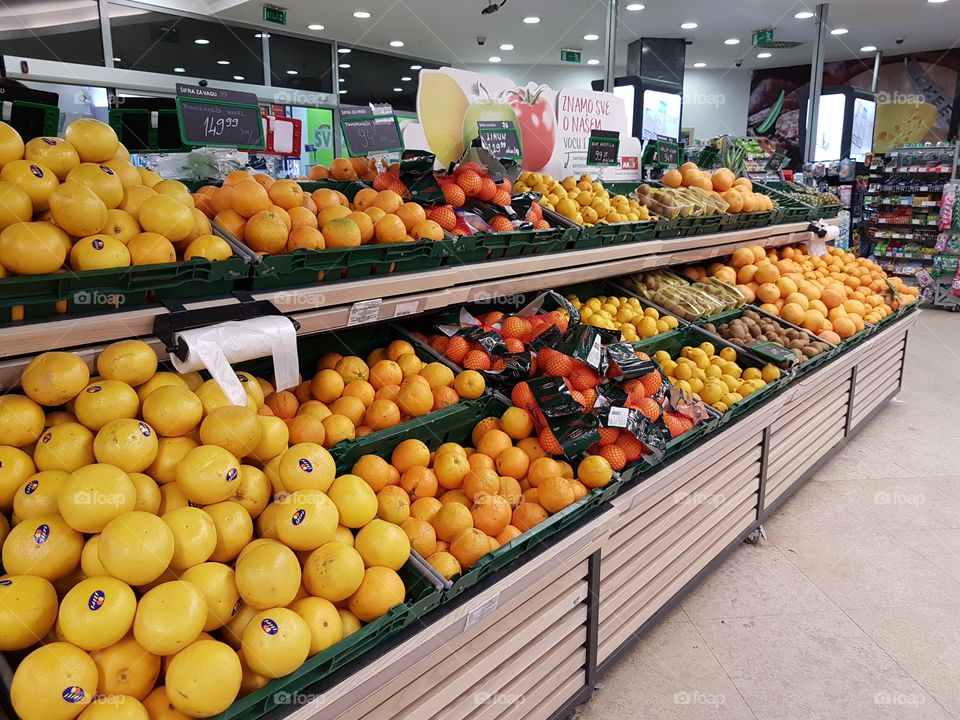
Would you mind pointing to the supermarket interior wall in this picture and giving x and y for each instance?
(556, 76)
(715, 102)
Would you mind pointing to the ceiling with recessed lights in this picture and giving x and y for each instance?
(538, 29)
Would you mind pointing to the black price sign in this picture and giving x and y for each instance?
(668, 153)
(777, 161)
(500, 138)
(603, 147)
(221, 118)
(773, 352)
(372, 130)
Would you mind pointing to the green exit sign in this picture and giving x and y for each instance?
(571, 56)
(275, 14)
(762, 38)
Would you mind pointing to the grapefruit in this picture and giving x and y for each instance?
(204, 679)
(53, 152)
(104, 182)
(15, 205)
(32, 248)
(54, 682)
(165, 215)
(35, 179)
(94, 141)
(99, 252)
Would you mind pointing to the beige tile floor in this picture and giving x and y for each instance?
(850, 610)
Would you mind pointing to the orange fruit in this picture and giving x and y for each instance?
(428, 230)
(265, 231)
(364, 198)
(494, 442)
(286, 193)
(337, 428)
(248, 198)
(532, 447)
(385, 372)
(410, 453)
(373, 470)
(767, 273)
(327, 386)
(388, 201)
(341, 233)
(325, 197)
(452, 519)
(555, 493)
(507, 534)
(423, 538)
(304, 237)
(444, 563)
(488, 423)
(381, 414)
(231, 221)
(541, 469)
(415, 399)
(393, 504)
(512, 462)
(793, 313)
(479, 460)
(425, 508)
(342, 169)
(419, 482)
(455, 496)
(768, 292)
(844, 327)
(470, 384)
(451, 468)
(411, 214)
(479, 482)
(364, 223)
(396, 348)
(594, 471)
(813, 320)
(306, 428)
(390, 229)
(528, 514)
(360, 389)
(491, 514)
(469, 546)
(350, 407)
(444, 397)
(517, 423)
(672, 179)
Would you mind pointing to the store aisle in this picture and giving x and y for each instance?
(851, 608)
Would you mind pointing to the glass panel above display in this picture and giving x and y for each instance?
(52, 30)
(367, 77)
(301, 64)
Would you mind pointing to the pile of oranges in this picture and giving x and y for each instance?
(459, 503)
(350, 397)
(77, 202)
(273, 217)
(834, 295)
(736, 192)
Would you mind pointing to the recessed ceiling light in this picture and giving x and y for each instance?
(342, 79)
(343, 50)
(416, 67)
(406, 78)
(343, 92)
(494, 59)
(345, 65)
(398, 89)
(839, 31)
(506, 46)
(689, 26)
(635, 7)
(764, 56)
(223, 62)
(805, 15)
(262, 35)
(179, 70)
(396, 43)
(531, 20)
(291, 72)
(700, 65)
(731, 41)
(362, 14)
(593, 61)
(591, 36)
(936, 1)
(238, 77)
(201, 41)
(868, 48)
(117, 60)
(315, 26)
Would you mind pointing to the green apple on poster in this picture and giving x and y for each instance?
(485, 109)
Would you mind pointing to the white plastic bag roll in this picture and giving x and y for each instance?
(215, 347)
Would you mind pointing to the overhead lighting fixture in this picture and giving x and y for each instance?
(342, 80)
(396, 43)
(868, 48)
(117, 60)
(343, 50)
(262, 35)
(593, 61)
(416, 67)
(805, 15)
(345, 65)
(591, 36)
(731, 41)
(406, 78)
(223, 62)
(700, 65)
(201, 41)
(839, 31)
(635, 7)
(291, 72)
(689, 26)
(398, 89)
(935, 2)
(238, 77)
(362, 14)
(531, 20)
(764, 56)
(494, 59)
(343, 92)
(315, 26)
(179, 70)
(506, 46)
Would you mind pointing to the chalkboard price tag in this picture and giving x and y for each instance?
(773, 352)
(603, 147)
(776, 161)
(500, 138)
(371, 130)
(220, 118)
(668, 153)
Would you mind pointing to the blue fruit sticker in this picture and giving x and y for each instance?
(96, 600)
(299, 516)
(145, 429)
(232, 474)
(306, 465)
(6, 583)
(73, 694)
(37, 172)
(41, 534)
(94, 389)
(236, 607)
(269, 626)
(31, 487)
(97, 244)
(46, 438)
(107, 170)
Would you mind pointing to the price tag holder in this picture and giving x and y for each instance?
(371, 130)
(603, 147)
(773, 352)
(500, 138)
(364, 311)
(219, 118)
(668, 153)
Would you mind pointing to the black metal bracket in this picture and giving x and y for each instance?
(179, 318)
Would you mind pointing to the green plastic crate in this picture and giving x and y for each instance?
(36, 297)
(605, 235)
(749, 221)
(496, 246)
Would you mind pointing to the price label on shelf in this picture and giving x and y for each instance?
(618, 417)
(603, 147)
(365, 311)
(481, 611)
(773, 352)
(220, 118)
(500, 138)
(407, 308)
(371, 130)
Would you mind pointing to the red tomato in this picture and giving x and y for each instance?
(538, 127)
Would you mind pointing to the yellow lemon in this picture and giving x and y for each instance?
(380, 590)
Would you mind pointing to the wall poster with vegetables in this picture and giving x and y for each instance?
(554, 125)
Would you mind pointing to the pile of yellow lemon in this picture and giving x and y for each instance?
(148, 524)
(585, 201)
(715, 378)
(627, 315)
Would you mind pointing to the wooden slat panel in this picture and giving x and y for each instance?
(787, 475)
(548, 697)
(803, 425)
(839, 387)
(880, 364)
(828, 433)
(630, 616)
(875, 387)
